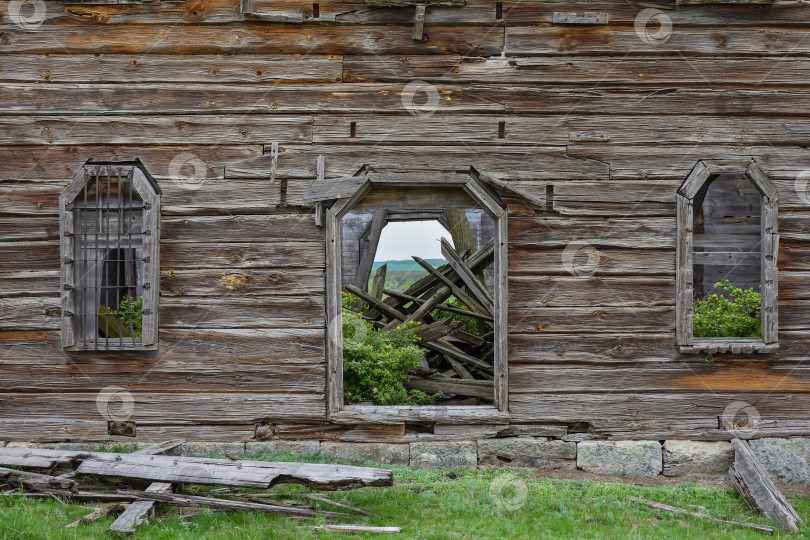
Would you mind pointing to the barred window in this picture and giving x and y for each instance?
(110, 236)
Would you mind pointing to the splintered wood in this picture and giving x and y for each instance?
(757, 488)
(110, 477)
(456, 312)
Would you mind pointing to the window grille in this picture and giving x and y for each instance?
(109, 221)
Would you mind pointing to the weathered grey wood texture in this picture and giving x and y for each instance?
(586, 131)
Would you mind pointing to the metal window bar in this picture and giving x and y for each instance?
(109, 244)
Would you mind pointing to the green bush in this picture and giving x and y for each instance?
(733, 313)
(130, 313)
(376, 363)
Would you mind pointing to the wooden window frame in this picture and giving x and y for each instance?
(148, 190)
(704, 171)
(346, 194)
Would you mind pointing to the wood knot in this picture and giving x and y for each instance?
(195, 11)
(233, 281)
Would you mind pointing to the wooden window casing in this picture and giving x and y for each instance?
(109, 229)
(406, 191)
(689, 195)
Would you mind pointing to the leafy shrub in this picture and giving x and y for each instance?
(733, 313)
(130, 313)
(471, 326)
(376, 363)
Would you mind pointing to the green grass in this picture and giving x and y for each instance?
(431, 504)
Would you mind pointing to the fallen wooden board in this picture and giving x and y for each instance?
(98, 513)
(757, 488)
(251, 474)
(224, 504)
(700, 515)
(36, 481)
(136, 513)
(358, 528)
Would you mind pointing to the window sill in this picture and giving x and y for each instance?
(381, 414)
(732, 345)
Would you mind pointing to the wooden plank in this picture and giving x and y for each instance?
(298, 161)
(209, 69)
(36, 481)
(470, 280)
(588, 69)
(172, 407)
(256, 474)
(759, 491)
(780, 13)
(643, 101)
(536, 41)
(375, 414)
(459, 387)
(127, 129)
(378, 285)
(701, 515)
(136, 513)
(251, 39)
(222, 504)
(369, 242)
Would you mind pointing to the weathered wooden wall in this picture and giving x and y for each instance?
(613, 123)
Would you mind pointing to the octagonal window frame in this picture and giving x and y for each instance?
(397, 181)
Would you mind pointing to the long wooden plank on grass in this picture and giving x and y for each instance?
(223, 504)
(252, 474)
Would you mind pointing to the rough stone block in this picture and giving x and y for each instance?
(392, 454)
(207, 449)
(784, 459)
(697, 458)
(444, 455)
(22, 444)
(630, 458)
(296, 448)
(527, 452)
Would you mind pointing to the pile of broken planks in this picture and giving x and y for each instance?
(134, 483)
(459, 364)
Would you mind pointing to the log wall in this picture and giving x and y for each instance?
(598, 123)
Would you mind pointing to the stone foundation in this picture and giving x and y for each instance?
(787, 459)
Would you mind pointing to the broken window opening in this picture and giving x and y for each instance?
(424, 277)
(452, 312)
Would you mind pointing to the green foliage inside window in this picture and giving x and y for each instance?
(732, 313)
(376, 362)
(127, 321)
(471, 326)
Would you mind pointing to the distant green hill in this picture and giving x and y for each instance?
(406, 265)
